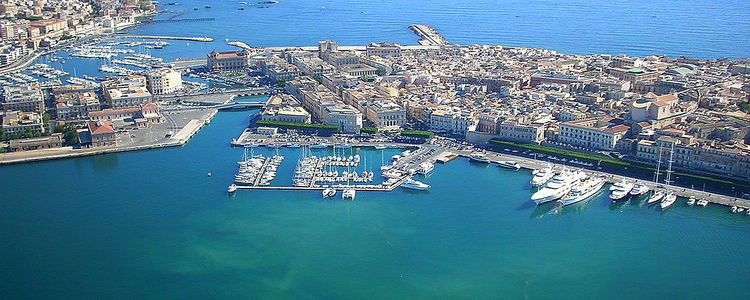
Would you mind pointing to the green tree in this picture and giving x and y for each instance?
(281, 82)
(318, 78)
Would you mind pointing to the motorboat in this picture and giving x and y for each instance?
(702, 202)
(478, 157)
(639, 189)
(329, 192)
(381, 147)
(425, 168)
(232, 188)
(557, 187)
(584, 190)
(349, 193)
(542, 176)
(620, 190)
(509, 164)
(691, 201)
(668, 200)
(410, 183)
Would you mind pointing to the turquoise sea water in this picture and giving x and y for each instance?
(151, 224)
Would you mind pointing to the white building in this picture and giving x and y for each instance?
(348, 118)
(386, 115)
(592, 133)
(164, 81)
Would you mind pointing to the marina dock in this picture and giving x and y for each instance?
(160, 37)
(428, 36)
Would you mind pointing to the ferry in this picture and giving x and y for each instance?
(542, 176)
(639, 190)
(479, 157)
(620, 190)
(425, 168)
(508, 164)
(232, 188)
(349, 194)
(584, 190)
(415, 185)
(557, 187)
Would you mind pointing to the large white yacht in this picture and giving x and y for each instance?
(410, 183)
(656, 196)
(541, 176)
(620, 190)
(557, 187)
(584, 190)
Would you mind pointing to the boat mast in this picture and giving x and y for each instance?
(658, 165)
(669, 170)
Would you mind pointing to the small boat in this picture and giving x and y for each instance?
(349, 194)
(668, 200)
(381, 147)
(329, 192)
(232, 188)
(425, 168)
(639, 190)
(691, 201)
(208, 6)
(209, 174)
(410, 183)
(740, 210)
(702, 202)
(241, 8)
(509, 164)
(294, 146)
(342, 146)
(478, 157)
(320, 146)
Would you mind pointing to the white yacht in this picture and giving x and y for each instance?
(541, 176)
(425, 168)
(691, 201)
(656, 196)
(639, 189)
(668, 200)
(509, 164)
(620, 190)
(232, 188)
(415, 185)
(702, 202)
(557, 187)
(478, 157)
(349, 194)
(583, 190)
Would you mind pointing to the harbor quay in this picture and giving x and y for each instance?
(432, 153)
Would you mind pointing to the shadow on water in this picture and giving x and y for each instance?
(619, 205)
(526, 205)
(549, 208)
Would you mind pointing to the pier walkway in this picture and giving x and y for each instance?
(162, 37)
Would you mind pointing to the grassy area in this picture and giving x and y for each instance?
(611, 164)
(418, 134)
(232, 75)
(368, 130)
(302, 126)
